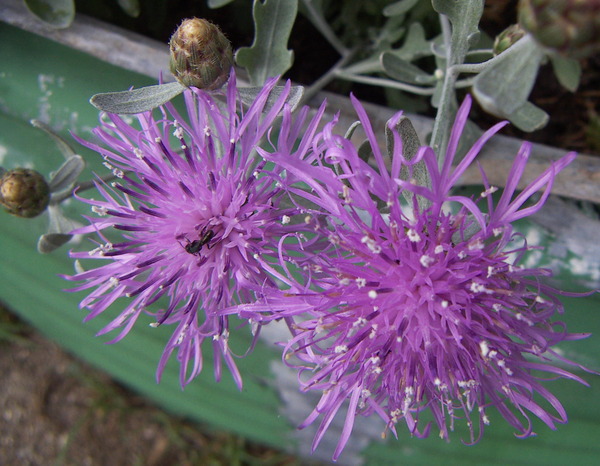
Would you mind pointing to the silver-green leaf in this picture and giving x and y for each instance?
(131, 7)
(464, 16)
(567, 71)
(56, 13)
(402, 70)
(67, 174)
(62, 145)
(218, 3)
(399, 8)
(137, 100)
(503, 88)
(248, 96)
(268, 56)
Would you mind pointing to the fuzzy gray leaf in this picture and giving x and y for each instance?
(248, 96)
(56, 13)
(268, 56)
(504, 87)
(66, 176)
(63, 146)
(137, 100)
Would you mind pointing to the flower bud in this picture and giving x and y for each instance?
(24, 192)
(507, 38)
(571, 27)
(201, 55)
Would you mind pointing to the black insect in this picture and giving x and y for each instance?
(194, 247)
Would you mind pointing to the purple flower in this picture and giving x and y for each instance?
(422, 305)
(195, 207)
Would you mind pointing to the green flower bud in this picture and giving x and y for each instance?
(570, 27)
(24, 192)
(201, 55)
(507, 38)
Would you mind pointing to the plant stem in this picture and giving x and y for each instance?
(384, 82)
(441, 125)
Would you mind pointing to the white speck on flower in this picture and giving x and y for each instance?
(308, 219)
(539, 299)
(361, 282)
(285, 219)
(359, 322)
(426, 260)
(157, 140)
(340, 349)
(114, 282)
(445, 304)
(484, 347)
(371, 244)
(413, 236)
(490, 271)
(497, 307)
(372, 294)
(207, 131)
(153, 324)
(462, 254)
(476, 245)
(345, 281)
(346, 194)
(479, 288)
(138, 153)
(373, 332)
(101, 211)
(178, 133)
(438, 249)
(487, 192)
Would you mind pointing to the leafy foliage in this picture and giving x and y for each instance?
(268, 56)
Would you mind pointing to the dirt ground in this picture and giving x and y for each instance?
(58, 411)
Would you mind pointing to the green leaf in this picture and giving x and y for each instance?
(464, 16)
(67, 174)
(503, 88)
(63, 146)
(528, 117)
(137, 100)
(415, 45)
(567, 71)
(131, 7)
(268, 56)
(403, 71)
(218, 3)
(56, 13)
(248, 96)
(399, 8)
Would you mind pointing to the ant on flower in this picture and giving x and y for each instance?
(194, 247)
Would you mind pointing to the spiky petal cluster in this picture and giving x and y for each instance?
(195, 207)
(421, 307)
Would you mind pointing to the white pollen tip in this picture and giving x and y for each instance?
(372, 294)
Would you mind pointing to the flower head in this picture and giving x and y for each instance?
(196, 207)
(418, 307)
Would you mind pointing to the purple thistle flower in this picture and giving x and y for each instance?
(420, 307)
(196, 207)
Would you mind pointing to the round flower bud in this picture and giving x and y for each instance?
(571, 27)
(507, 38)
(24, 192)
(201, 55)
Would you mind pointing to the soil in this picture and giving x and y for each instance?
(58, 411)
